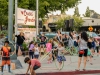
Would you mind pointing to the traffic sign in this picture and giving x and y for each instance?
(90, 28)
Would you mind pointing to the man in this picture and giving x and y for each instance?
(34, 64)
(6, 56)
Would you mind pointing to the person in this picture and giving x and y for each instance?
(97, 46)
(54, 50)
(20, 40)
(61, 51)
(48, 50)
(59, 36)
(36, 51)
(83, 50)
(31, 49)
(43, 39)
(34, 64)
(6, 50)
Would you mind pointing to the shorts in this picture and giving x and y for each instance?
(42, 43)
(36, 67)
(36, 56)
(4, 62)
(85, 53)
(61, 58)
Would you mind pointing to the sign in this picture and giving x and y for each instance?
(25, 17)
(90, 28)
(29, 33)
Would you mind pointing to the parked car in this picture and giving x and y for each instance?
(94, 35)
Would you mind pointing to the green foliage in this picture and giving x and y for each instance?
(78, 22)
(76, 12)
(3, 12)
(45, 6)
(25, 46)
(87, 13)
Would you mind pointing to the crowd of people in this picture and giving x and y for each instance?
(55, 47)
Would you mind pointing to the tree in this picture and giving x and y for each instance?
(76, 12)
(78, 22)
(46, 6)
(3, 12)
(87, 13)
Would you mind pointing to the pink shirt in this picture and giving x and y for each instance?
(35, 62)
(48, 47)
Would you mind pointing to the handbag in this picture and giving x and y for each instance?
(81, 52)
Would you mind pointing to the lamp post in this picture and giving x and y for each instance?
(16, 26)
(10, 20)
(37, 20)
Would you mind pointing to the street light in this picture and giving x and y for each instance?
(37, 20)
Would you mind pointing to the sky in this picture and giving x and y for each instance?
(93, 5)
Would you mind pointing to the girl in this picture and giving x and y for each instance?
(48, 50)
(61, 57)
(31, 49)
(54, 51)
(83, 49)
(36, 51)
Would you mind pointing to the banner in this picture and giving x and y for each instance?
(29, 33)
(25, 17)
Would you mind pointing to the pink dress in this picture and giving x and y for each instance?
(48, 47)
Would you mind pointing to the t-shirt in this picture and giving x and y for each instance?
(35, 62)
(6, 53)
(60, 53)
(31, 47)
(43, 38)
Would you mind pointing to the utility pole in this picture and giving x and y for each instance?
(10, 20)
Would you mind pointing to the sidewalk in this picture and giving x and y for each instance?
(69, 65)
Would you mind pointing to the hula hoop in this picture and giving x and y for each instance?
(44, 56)
(58, 63)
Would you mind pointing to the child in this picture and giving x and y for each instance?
(36, 51)
(31, 47)
(61, 57)
(6, 56)
(34, 64)
(48, 50)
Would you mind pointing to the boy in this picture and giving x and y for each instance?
(6, 56)
(33, 65)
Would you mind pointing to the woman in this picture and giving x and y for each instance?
(97, 46)
(83, 49)
(59, 36)
(20, 40)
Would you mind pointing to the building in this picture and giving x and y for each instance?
(95, 23)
